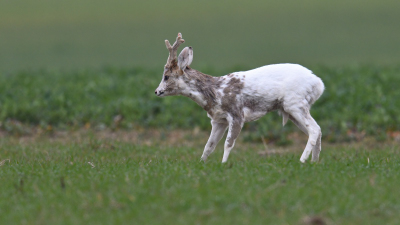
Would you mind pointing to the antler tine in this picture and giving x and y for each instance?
(168, 45)
(173, 49)
(179, 41)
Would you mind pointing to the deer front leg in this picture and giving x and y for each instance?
(235, 126)
(217, 132)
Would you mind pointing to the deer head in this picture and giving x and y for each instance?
(174, 69)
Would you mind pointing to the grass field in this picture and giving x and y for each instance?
(90, 179)
(358, 101)
(84, 140)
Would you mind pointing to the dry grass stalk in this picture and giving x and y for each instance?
(4, 161)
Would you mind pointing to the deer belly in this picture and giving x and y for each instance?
(250, 115)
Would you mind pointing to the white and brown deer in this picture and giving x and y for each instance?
(241, 97)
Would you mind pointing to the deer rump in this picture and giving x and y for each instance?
(278, 87)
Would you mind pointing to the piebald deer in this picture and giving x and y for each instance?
(241, 97)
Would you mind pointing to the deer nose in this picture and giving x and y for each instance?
(158, 93)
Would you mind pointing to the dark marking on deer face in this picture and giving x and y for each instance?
(168, 85)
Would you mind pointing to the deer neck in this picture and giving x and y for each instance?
(201, 88)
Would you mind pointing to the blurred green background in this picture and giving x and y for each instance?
(78, 34)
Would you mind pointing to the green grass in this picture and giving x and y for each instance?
(51, 182)
(90, 34)
(55, 75)
(358, 100)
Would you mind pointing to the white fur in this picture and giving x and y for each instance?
(294, 85)
(245, 96)
(290, 83)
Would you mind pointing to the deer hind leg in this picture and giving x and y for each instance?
(317, 149)
(300, 126)
(307, 124)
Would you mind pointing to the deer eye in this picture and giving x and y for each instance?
(166, 77)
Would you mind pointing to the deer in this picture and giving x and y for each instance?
(240, 97)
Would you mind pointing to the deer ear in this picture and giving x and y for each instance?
(185, 58)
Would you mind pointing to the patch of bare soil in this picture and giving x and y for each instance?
(178, 138)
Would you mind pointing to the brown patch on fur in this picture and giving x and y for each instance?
(253, 105)
(172, 70)
(170, 86)
(277, 104)
(171, 65)
(235, 131)
(229, 103)
(256, 106)
(206, 85)
(233, 107)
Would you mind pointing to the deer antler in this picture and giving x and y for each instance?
(173, 49)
